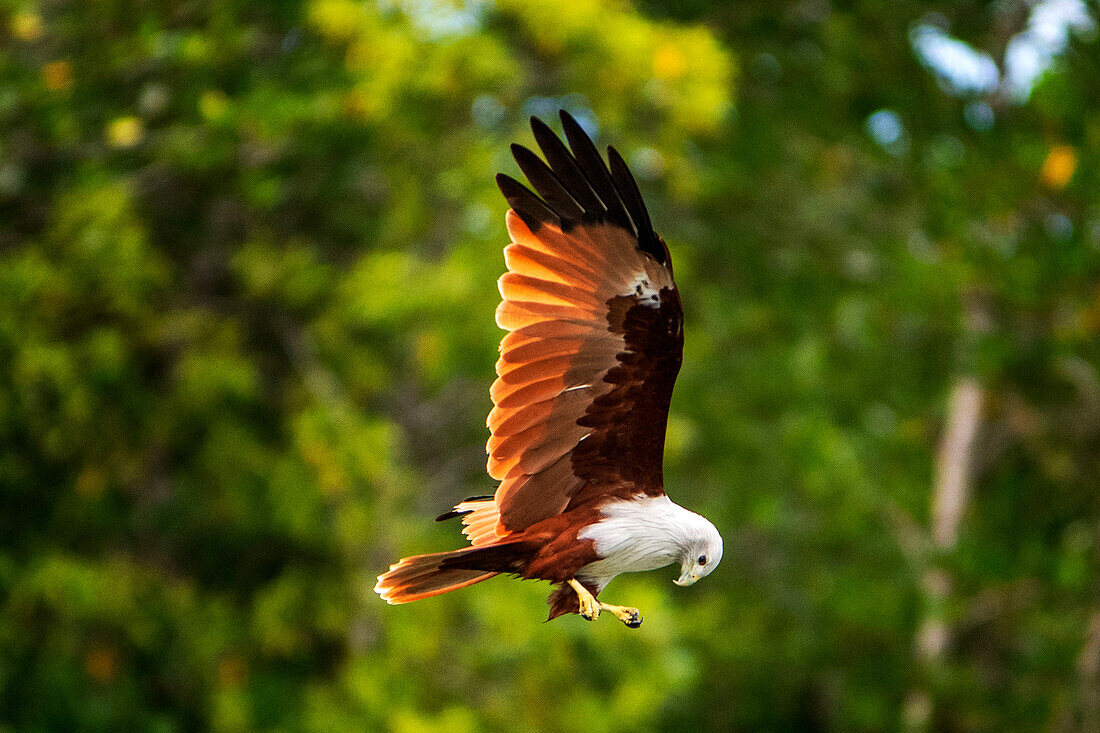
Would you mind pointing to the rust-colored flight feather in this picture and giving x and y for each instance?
(596, 338)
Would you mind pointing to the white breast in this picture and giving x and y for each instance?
(644, 533)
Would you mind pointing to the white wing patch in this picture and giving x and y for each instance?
(642, 289)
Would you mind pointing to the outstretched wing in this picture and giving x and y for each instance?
(596, 338)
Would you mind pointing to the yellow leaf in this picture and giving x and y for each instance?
(27, 26)
(1059, 166)
(212, 104)
(57, 75)
(336, 19)
(125, 132)
(668, 62)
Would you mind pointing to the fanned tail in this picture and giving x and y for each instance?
(424, 576)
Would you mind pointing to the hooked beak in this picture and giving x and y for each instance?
(688, 578)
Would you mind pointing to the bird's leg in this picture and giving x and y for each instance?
(589, 606)
(627, 614)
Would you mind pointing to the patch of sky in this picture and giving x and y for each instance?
(546, 108)
(1032, 51)
(965, 71)
(886, 129)
(960, 69)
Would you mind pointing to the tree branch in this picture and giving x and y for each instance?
(950, 495)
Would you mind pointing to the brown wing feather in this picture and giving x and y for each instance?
(594, 345)
(584, 377)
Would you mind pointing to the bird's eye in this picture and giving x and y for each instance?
(702, 559)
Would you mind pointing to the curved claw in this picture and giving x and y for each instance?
(627, 614)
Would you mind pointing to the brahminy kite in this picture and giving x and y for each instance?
(581, 397)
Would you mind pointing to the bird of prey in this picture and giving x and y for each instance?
(594, 344)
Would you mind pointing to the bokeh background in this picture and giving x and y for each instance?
(248, 255)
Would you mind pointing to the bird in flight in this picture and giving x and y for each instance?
(595, 341)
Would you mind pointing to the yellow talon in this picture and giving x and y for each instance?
(627, 614)
(590, 608)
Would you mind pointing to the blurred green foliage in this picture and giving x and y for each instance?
(247, 265)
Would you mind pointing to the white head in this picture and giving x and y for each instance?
(701, 552)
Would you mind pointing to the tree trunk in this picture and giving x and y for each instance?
(950, 495)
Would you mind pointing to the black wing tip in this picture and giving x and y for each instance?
(533, 210)
(546, 181)
(461, 513)
(611, 182)
(570, 125)
(568, 120)
(648, 241)
(539, 127)
(526, 159)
